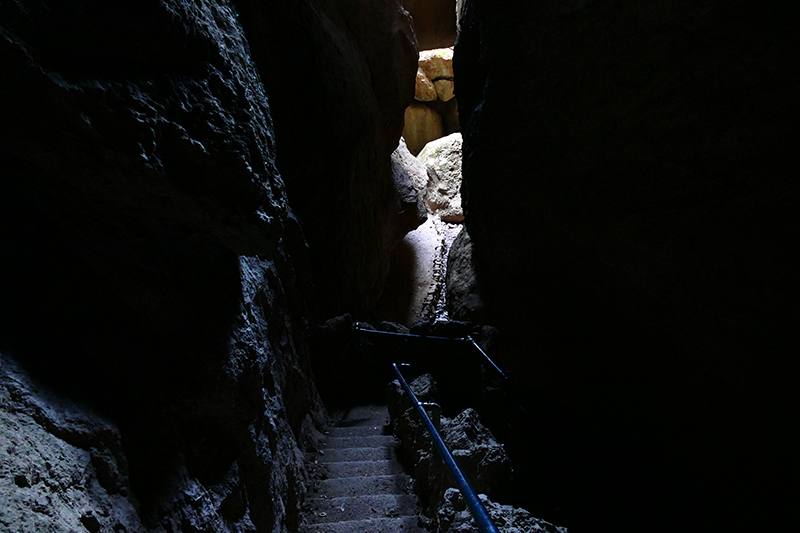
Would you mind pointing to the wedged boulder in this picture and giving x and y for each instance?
(422, 125)
(437, 64)
(444, 90)
(424, 89)
(434, 86)
(464, 300)
(442, 159)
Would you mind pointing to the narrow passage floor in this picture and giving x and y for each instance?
(358, 485)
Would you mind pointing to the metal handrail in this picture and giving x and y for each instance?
(474, 504)
(468, 339)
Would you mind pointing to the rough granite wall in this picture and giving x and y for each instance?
(339, 76)
(630, 187)
(154, 372)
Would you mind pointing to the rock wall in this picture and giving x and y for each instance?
(631, 195)
(339, 78)
(156, 283)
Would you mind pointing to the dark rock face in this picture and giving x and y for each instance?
(49, 443)
(454, 517)
(434, 22)
(632, 199)
(481, 458)
(339, 78)
(464, 301)
(149, 259)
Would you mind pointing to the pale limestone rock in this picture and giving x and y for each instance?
(442, 158)
(437, 64)
(444, 90)
(410, 180)
(423, 125)
(424, 90)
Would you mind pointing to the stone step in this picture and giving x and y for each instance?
(363, 468)
(367, 412)
(338, 455)
(374, 441)
(363, 485)
(375, 428)
(403, 524)
(349, 508)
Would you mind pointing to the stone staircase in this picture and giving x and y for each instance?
(359, 486)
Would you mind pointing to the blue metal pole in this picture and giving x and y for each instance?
(474, 504)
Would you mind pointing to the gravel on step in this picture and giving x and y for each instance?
(363, 468)
(347, 508)
(366, 441)
(337, 455)
(405, 524)
(363, 485)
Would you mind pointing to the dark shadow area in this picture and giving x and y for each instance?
(105, 310)
(354, 367)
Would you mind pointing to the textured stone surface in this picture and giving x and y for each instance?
(337, 128)
(434, 22)
(454, 517)
(422, 125)
(464, 301)
(435, 87)
(62, 466)
(410, 178)
(437, 64)
(481, 458)
(150, 262)
(415, 287)
(442, 159)
(632, 199)
(424, 90)
(444, 90)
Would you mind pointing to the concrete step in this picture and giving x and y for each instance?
(338, 455)
(374, 441)
(363, 468)
(347, 508)
(363, 485)
(375, 428)
(403, 524)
